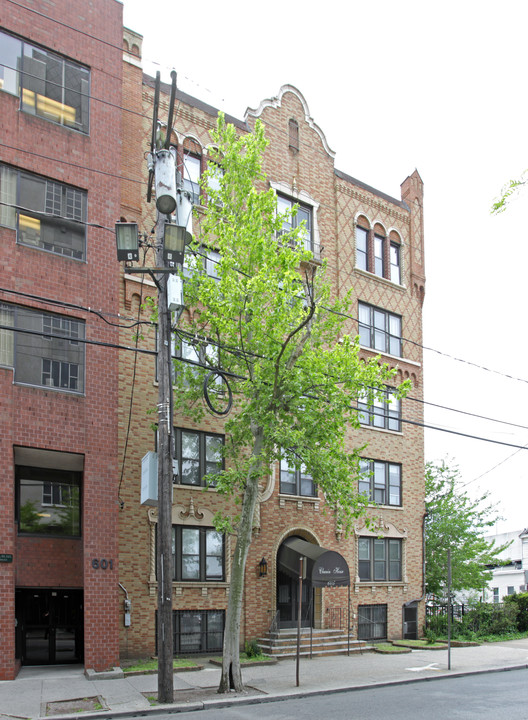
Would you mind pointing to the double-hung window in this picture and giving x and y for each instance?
(379, 255)
(379, 329)
(362, 248)
(395, 263)
(302, 216)
(198, 454)
(192, 165)
(380, 481)
(48, 85)
(48, 351)
(198, 554)
(45, 213)
(380, 412)
(207, 258)
(195, 355)
(379, 559)
(294, 479)
(212, 264)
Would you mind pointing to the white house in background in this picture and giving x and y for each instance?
(513, 576)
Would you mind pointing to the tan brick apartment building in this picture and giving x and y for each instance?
(374, 243)
(60, 122)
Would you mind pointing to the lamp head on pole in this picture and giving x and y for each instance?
(127, 240)
(178, 233)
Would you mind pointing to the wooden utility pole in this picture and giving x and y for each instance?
(164, 537)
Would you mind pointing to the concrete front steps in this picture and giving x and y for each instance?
(283, 644)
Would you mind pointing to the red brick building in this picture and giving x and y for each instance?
(374, 244)
(60, 124)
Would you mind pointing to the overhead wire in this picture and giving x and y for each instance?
(95, 225)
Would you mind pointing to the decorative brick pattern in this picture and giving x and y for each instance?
(310, 169)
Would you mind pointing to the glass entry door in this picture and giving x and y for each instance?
(50, 626)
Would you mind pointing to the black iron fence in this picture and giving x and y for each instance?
(479, 619)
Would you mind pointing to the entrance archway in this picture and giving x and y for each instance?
(321, 568)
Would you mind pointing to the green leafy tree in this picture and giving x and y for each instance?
(455, 521)
(508, 192)
(273, 324)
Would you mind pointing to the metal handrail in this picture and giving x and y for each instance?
(274, 627)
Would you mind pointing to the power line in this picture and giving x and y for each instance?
(136, 350)
(69, 27)
(74, 306)
(70, 164)
(83, 341)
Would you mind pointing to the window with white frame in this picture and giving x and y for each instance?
(47, 351)
(206, 259)
(45, 213)
(49, 86)
(380, 329)
(379, 559)
(381, 482)
(395, 262)
(192, 165)
(198, 554)
(298, 214)
(380, 411)
(198, 353)
(215, 175)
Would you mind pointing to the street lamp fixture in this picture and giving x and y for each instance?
(178, 233)
(127, 240)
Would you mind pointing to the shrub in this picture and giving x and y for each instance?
(520, 603)
(486, 619)
(437, 625)
(430, 636)
(252, 649)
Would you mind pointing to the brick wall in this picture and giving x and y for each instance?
(53, 420)
(340, 200)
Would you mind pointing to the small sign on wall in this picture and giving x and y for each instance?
(6, 557)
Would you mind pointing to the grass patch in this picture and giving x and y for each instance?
(390, 649)
(504, 637)
(246, 659)
(419, 644)
(151, 665)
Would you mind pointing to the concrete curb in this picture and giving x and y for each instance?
(220, 703)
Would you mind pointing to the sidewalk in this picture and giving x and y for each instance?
(28, 696)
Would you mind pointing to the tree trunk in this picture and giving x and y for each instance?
(231, 678)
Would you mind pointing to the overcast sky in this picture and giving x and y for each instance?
(397, 86)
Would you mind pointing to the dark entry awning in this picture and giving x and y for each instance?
(325, 568)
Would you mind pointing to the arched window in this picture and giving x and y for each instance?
(293, 127)
(376, 253)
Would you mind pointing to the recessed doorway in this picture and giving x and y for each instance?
(49, 626)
